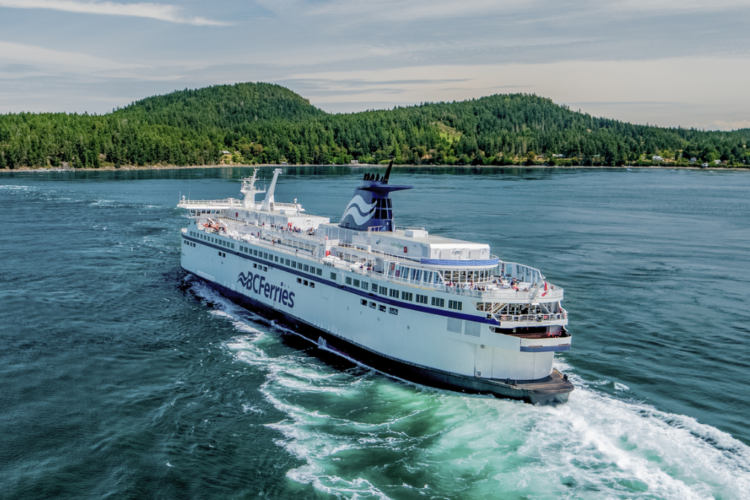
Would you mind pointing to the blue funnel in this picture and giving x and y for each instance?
(371, 208)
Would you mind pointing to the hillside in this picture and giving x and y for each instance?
(265, 123)
(221, 106)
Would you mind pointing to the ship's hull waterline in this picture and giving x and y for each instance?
(551, 390)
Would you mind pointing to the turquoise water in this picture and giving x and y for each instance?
(122, 377)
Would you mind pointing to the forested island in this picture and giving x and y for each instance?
(261, 123)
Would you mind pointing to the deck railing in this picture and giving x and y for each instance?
(532, 318)
(232, 202)
(493, 295)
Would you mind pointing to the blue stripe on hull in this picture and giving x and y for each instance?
(551, 348)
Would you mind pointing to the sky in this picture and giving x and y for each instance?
(663, 62)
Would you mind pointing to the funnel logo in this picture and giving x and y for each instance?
(257, 284)
(360, 210)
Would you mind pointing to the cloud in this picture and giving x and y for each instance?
(29, 57)
(724, 125)
(366, 11)
(160, 12)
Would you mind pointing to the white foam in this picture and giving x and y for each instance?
(246, 408)
(596, 446)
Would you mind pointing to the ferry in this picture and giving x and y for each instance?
(413, 305)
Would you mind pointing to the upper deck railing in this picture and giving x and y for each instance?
(492, 292)
(232, 202)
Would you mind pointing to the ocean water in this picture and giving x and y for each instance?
(122, 377)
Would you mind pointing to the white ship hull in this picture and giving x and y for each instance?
(439, 347)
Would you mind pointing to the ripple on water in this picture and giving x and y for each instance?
(366, 436)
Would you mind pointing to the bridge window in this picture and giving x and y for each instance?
(356, 283)
(394, 293)
(319, 272)
(333, 276)
(348, 280)
(364, 285)
(438, 302)
(383, 290)
(455, 304)
(421, 299)
(407, 296)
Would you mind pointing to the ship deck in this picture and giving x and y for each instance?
(273, 239)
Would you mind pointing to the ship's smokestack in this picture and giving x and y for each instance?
(371, 208)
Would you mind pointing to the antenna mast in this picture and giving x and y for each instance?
(388, 171)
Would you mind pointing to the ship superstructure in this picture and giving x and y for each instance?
(417, 306)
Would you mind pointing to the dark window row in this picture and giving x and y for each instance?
(282, 260)
(381, 307)
(311, 284)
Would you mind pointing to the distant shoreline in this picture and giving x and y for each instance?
(365, 165)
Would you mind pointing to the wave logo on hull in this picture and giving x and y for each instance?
(258, 285)
(360, 210)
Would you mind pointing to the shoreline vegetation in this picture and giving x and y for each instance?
(265, 124)
(365, 165)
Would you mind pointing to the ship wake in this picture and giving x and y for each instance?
(362, 435)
